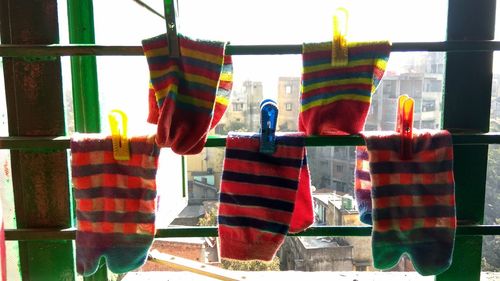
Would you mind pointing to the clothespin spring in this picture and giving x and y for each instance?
(404, 125)
(339, 42)
(121, 150)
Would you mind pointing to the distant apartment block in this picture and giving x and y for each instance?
(288, 103)
(243, 113)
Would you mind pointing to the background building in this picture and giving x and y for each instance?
(288, 103)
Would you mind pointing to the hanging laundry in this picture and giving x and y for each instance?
(413, 200)
(335, 99)
(303, 212)
(187, 96)
(258, 195)
(115, 202)
(363, 185)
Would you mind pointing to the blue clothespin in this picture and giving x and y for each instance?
(268, 121)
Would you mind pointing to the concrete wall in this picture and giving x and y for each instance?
(294, 256)
(329, 259)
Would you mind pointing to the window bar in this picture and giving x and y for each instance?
(48, 143)
(85, 88)
(468, 73)
(69, 233)
(40, 180)
(10, 50)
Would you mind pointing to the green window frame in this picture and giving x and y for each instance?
(37, 138)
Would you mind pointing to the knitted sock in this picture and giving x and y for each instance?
(363, 185)
(335, 100)
(413, 201)
(186, 90)
(223, 91)
(258, 193)
(115, 202)
(303, 213)
(153, 113)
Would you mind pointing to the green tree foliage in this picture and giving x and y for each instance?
(210, 219)
(273, 265)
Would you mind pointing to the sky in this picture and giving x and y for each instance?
(123, 80)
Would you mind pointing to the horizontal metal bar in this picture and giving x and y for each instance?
(34, 143)
(69, 233)
(351, 140)
(48, 143)
(102, 50)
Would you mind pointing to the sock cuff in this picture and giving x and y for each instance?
(154, 111)
(355, 81)
(243, 250)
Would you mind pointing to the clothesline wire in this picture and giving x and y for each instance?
(149, 8)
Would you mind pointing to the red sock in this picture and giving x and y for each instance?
(257, 197)
(185, 90)
(303, 213)
(363, 185)
(223, 91)
(153, 113)
(335, 100)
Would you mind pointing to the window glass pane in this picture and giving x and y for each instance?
(292, 22)
(123, 84)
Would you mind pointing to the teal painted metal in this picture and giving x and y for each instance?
(103, 50)
(84, 83)
(467, 101)
(57, 143)
(84, 69)
(184, 176)
(69, 233)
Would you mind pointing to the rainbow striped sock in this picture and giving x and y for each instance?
(413, 201)
(363, 185)
(258, 193)
(192, 92)
(335, 100)
(115, 202)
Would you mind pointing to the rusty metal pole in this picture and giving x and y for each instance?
(35, 108)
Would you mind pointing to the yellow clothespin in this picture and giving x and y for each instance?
(339, 42)
(121, 149)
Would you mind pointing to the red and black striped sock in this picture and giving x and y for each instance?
(258, 194)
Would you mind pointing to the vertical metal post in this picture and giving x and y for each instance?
(467, 101)
(35, 108)
(83, 68)
(84, 83)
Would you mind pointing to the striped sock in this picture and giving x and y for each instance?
(154, 111)
(363, 185)
(335, 100)
(413, 201)
(303, 213)
(258, 193)
(223, 91)
(191, 92)
(115, 202)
